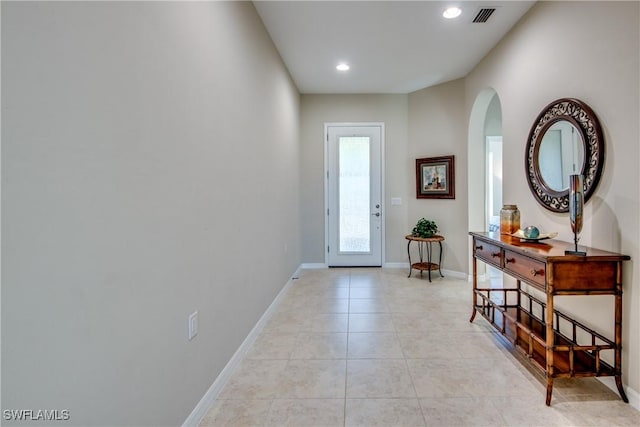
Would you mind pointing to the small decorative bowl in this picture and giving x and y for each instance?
(541, 236)
(531, 232)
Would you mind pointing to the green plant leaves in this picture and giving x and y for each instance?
(425, 228)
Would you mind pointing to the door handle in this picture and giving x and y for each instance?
(376, 214)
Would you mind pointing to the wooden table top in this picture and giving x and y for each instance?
(436, 238)
(547, 249)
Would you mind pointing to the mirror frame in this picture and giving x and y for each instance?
(584, 119)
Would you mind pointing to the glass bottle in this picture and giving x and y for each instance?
(509, 219)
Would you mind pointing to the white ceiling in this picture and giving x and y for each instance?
(391, 46)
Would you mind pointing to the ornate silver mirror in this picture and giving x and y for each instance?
(565, 139)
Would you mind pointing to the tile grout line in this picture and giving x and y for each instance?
(406, 363)
(346, 356)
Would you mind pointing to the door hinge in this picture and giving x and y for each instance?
(327, 212)
(327, 248)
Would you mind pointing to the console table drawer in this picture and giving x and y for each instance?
(593, 277)
(488, 252)
(530, 270)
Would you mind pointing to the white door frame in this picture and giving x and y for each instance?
(382, 183)
(489, 190)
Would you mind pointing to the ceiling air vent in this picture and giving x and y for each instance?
(484, 14)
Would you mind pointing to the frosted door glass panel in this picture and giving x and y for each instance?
(354, 194)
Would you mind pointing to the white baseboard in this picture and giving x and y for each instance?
(201, 409)
(404, 265)
(481, 277)
(632, 395)
(394, 265)
(454, 274)
(296, 274)
(313, 265)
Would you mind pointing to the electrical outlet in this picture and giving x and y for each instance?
(193, 325)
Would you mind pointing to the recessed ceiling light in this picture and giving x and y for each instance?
(452, 12)
(342, 67)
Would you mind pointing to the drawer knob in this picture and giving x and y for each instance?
(495, 254)
(509, 260)
(535, 272)
(479, 247)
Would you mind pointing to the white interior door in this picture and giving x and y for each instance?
(355, 216)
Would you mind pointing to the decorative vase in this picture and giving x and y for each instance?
(509, 219)
(576, 205)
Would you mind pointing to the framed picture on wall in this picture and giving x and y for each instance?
(435, 178)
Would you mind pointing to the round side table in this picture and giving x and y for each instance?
(425, 242)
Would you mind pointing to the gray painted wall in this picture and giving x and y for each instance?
(320, 109)
(437, 127)
(599, 63)
(149, 169)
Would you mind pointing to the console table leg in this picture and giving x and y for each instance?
(623, 395)
(550, 338)
(618, 333)
(549, 390)
(474, 272)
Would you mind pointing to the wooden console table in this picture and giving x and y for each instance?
(422, 265)
(559, 345)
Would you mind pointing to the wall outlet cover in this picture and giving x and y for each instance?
(193, 325)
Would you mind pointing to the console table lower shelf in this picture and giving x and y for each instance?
(577, 350)
(558, 344)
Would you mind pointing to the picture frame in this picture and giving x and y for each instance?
(435, 177)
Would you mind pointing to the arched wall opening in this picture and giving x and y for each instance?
(485, 121)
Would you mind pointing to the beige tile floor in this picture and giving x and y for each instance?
(371, 347)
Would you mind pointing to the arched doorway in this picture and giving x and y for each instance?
(485, 176)
(493, 163)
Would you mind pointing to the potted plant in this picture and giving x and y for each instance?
(425, 228)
